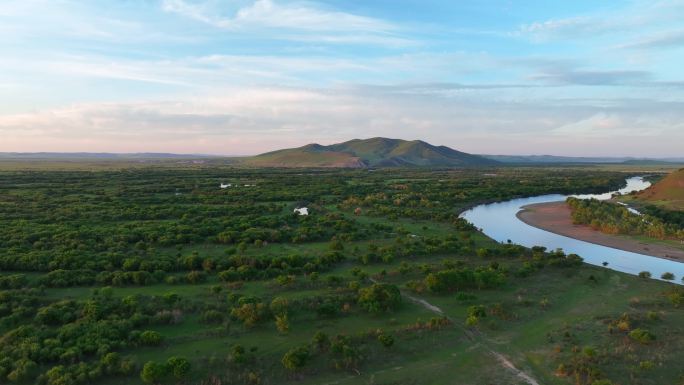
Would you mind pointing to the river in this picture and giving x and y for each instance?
(499, 222)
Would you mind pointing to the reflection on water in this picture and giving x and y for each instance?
(499, 222)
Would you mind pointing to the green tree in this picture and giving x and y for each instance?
(150, 338)
(179, 367)
(296, 358)
(386, 340)
(380, 297)
(282, 323)
(152, 372)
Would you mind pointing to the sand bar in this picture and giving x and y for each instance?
(556, 218)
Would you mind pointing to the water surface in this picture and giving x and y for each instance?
(499, 222)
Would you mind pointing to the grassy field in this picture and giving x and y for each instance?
(158, 262)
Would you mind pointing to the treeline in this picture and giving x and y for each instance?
(612, 218)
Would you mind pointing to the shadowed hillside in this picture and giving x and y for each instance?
(374, 152)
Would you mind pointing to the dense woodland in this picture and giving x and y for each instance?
(157, 275)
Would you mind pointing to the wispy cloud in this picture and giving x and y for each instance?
(260, 119)
(670, 39)
(593, 78)
(302, 21)
(635, 16)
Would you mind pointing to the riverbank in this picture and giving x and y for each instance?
(555, 217)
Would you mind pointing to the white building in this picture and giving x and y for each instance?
(302, 210)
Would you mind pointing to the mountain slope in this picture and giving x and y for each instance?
(374, 152)
(669, 191)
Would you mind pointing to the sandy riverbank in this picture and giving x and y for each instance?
(555, 217)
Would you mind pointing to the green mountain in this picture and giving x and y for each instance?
(374, 152)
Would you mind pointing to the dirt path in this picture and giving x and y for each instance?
(556, 217)
(505, 362)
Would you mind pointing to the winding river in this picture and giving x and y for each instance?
(499, 222)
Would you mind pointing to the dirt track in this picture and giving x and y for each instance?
(555, 217)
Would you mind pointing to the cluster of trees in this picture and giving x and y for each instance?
(175, 367)
(75, 340)
(613, 218)
(345, 352)
(131, 227)
(436, 197)
(451, 280)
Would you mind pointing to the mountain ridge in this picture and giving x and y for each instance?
(372, 152)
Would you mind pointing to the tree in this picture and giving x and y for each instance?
(380, 297)
(644, 274)
(386, 340)
(249, 313)
(320, 341)
(296, 358)
(474, 315)
(111, 362)
(239, 355)
(152, 372)
(668, 276)
(179, 367)
(282, 324)
(279, 306)
(22, 370)
(150, 338)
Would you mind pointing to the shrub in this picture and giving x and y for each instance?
(320, 340)
(150, 338)
(380, 297)
(641, 336)
(386, 340)
(645, 275)
(282, 323)
(212, 317)
(667, 276)
(296, 358)
(152, 372)
(179, 367)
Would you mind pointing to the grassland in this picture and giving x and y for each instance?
(157, 242)
(668, 193)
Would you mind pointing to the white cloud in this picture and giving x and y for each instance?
(266, 13)
(621, 126)
(252, 120)
(638, 16)
(669, 39)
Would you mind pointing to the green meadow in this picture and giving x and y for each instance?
(156, 275)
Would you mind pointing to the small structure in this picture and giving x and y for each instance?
(302, 210)
(225, 185)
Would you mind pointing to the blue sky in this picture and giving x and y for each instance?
(244, 76)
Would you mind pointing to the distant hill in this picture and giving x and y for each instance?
(374, 152)
(668, 192)
(552, 159)
(95, 155)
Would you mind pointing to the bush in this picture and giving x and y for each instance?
(386, 340)
(179, 367)
(212, 317)
(379, 297)
(296, 358)
(152, 372)
(641, 336)
(150, 338)
(668, 276)
(645, 275)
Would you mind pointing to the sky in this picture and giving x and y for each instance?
(241, 77)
